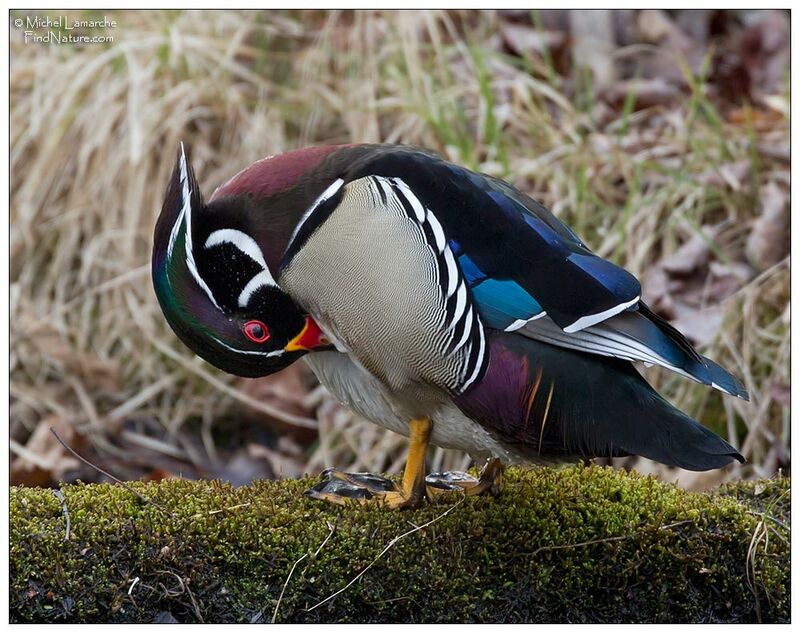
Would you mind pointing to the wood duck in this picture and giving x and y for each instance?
(440, 303)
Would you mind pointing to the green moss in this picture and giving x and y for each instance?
(571, 545)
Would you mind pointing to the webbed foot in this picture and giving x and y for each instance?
(344, 488)
(490, 481)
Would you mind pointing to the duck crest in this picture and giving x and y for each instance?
(274, 174)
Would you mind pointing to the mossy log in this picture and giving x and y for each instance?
(579, 544)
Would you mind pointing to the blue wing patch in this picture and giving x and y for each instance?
(500, 302)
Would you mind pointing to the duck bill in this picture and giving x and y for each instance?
(310, 337)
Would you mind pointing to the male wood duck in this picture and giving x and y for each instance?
(439, 303)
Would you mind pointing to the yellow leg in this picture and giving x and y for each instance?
(413, 487)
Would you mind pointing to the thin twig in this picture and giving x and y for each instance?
(109, 475)
(750, 564)
(194, 604)
(331, 528)
(386, 549)
(609, 539)
(291, 571)
(60, 496)
(286, 582)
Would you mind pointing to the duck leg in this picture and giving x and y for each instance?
(365, 488)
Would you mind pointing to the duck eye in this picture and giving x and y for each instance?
(256, 331)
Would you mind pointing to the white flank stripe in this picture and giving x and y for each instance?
(452, 272)
(467, 329)
(523, 322)
(479, 362)
(258, 281)
(461, 304)
(412, 199)
(186, 213)
(438, 232)
(329, 192)
(240, 240)
(592, 319)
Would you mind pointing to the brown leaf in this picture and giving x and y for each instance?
(656, 27)
(780, 392)
(727, 175)
(43, 459)
(646, 92)
(282, 465)
(287, 391)
(764, 49)
(243, 467)
(101, 375)
(692, 255)
(655, 286)
(525, 40)
(768, 242)
(699, 326)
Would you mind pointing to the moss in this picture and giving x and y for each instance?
(581, 544)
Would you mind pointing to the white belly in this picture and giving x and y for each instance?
(356, 388)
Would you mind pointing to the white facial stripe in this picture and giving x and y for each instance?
(240, 240)
(272, 354)
(249, 247)
(259, 281)
(186, 215)
(329, 192)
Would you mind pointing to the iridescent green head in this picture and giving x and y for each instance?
(214, 285)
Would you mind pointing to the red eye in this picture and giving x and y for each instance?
(256, 331)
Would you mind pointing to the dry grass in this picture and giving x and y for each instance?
(93, 137)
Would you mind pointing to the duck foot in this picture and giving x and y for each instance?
(344, 488)
(490, 481)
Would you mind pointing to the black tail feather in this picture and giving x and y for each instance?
(552, 402)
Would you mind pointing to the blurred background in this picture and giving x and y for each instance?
(662, 138)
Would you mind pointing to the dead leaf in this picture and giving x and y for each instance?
(699, 326)
(287, 391)
(764, 49)
(780, 392)
(727, 175)
(646, 92)
(674, 49)
(282, 465)
(768, 242)
(99, 374)
(692, 255)
(525, 40)
(244, 467)
(43, 459)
